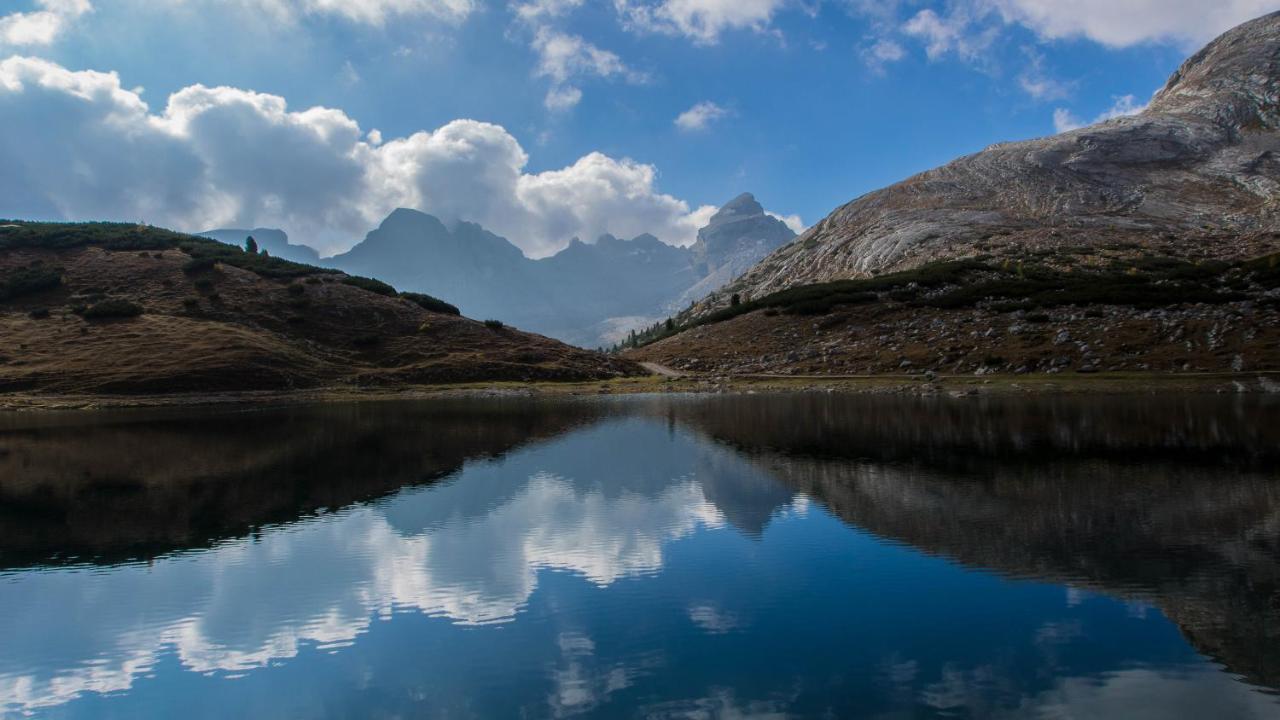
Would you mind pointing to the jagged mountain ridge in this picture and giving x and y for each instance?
(588, 294)
(1199, 163)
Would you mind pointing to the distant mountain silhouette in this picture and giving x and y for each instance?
(589, 294)
(275, 242)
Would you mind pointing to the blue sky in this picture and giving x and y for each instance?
(806, 103)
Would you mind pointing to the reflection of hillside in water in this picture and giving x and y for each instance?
(1053, 489)
(143, 483)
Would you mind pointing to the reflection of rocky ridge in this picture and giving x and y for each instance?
(142, 485)
(1056, 496)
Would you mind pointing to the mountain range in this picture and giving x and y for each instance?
(588, 294)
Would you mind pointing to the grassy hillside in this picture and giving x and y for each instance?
(113, 308)
(958, 315)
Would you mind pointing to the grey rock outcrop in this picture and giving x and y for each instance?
(738, 237)
(1203, 159)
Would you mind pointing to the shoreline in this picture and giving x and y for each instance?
(943, 385)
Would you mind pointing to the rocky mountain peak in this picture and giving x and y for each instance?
(742, 207)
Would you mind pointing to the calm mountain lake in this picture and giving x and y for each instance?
(723, 556)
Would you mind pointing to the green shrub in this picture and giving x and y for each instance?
(39, 313)
(373, 286)
(113, 308)
(426, 302)
(494, 324)
(295, 289)
(195, 266)
(191, 303)
(29, 280)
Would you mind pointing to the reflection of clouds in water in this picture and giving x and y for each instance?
(721, 704)
(1142, 693)
(713, 620)
(584, 682)
(247, 602)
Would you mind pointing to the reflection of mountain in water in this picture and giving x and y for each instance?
(1050, 488)
(138, 484)
(601, 501)
(1045, 488)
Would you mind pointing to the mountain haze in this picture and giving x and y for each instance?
(275, 242)
(588, 294)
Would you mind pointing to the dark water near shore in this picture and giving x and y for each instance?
(712, 557)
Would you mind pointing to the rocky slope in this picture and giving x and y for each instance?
(87, 309)
(1200, 160)
(1146, 243)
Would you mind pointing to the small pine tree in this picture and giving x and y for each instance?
(251, 245)
(735, 300)
(671, 324)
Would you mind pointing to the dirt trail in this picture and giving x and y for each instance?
(662, 370)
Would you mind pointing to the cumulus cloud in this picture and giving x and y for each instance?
(41, 27)
(700, 116)
(702, 21)
(83, 147)
(1064, 120)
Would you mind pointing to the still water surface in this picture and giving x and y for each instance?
(730, 556)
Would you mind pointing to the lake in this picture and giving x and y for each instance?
(804, 555)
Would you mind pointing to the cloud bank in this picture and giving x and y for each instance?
(80, 146)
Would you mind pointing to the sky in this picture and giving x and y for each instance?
(544, 120)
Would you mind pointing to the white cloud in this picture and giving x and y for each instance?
(792, 221)
(1121, 23)
(563, 97)
(703, 21)
(219, 157)
(533, 10)
(1124, 105)
(563, 57)
(1037, 83)
(958, 32)
(700, 116)
(348, 76)
(882, 53)
(368, 12)
(41, 27)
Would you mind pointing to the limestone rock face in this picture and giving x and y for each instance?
(1202, 159)
(739, 235)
